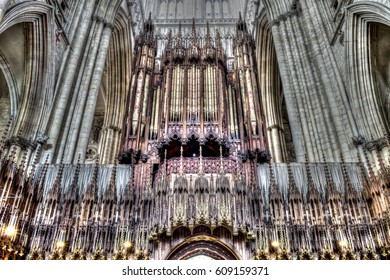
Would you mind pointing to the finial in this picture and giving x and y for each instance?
(382, 172)
(44, 170)
(181, 171)
(208, 35)
(310, 182)
(58, 180)
(12, 154)
(193, 28)
(35, 160)
(348, 185)
(218, 39)
(92, 189)
(149, 21)
(180, 34)
(385, 135)
(113, 177)
(222, 171)
(169, 43)
(5, 134)
(291, 181)
(150, 178)
(194, 39)
(201, 171)
(272, 182)
(23, 160)
(42, 178)
(371, 172)
(148, 26)
(241, 26)
(95, 171)
(362, 167)
(306, 159)
(328, 177)
(164, 174)
(76, 174)
(324, 161)
(308, 167)
(22, 164)
(179, 39)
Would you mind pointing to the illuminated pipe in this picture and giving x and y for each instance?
(214, 79)
(181, 96)
(178, 95)
(210, 93)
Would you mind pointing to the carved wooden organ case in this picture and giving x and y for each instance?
(194, 132)
(189, 96)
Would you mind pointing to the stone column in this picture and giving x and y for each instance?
(89, 111)
(292, 110)
(84, 92)
(63, 91)
(333, 86)
(78, 15)
(274, 132)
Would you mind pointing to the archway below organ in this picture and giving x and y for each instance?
(202, 247)
(200, 257)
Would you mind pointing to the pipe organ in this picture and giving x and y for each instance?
(193, 97)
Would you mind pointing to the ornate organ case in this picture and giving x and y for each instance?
(194, 131)
(189, 95)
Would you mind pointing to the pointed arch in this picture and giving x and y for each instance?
(364, 104)
(10, 78)
(36, 98)
(281, 143)
(116, 83)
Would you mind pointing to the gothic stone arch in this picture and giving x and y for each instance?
(34, 102)
(204, 245)
(364, 103)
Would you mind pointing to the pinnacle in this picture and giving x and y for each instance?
(208, 35)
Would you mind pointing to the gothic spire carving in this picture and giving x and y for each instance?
(4, 137)
(194, 38)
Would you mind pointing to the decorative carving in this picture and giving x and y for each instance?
(91, 154)
(358, 140)
(191, 166)
(377, 144)
(295, 10)
(21, 142)
(96, 129)
(42, 138)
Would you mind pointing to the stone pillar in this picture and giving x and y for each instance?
(89, 111)
(83, 92)
(274, 133)
(333, 86)
(314, 90)
(64, 90)
(292, 110)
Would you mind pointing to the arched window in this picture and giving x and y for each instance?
(163, 9)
